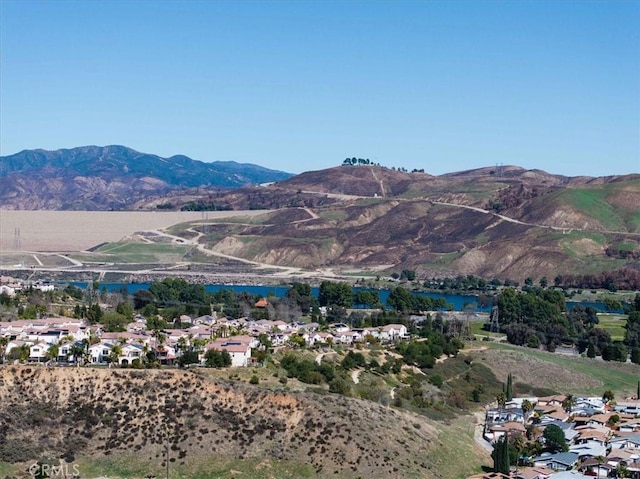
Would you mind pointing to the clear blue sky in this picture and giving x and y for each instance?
(300, 85)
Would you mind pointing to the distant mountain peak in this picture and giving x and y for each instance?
(50, 177)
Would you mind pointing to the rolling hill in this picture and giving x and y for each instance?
(513, 224)
(502, 222)
(123, 422)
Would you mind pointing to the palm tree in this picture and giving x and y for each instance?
(183, 343)
(161, 338)
(52, 352)
(622, 470)
(568, 403)
(115, 353)
(78, 352)
(25, 352)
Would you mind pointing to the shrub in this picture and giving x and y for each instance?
(436, 380)
(13, 451)
(340, 386)
(254, 380)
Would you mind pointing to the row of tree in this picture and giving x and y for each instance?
(539, 317)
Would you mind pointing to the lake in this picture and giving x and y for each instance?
(458, 301)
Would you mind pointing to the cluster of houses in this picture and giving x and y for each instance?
(11, 286)
(603, 436)
(69, 337)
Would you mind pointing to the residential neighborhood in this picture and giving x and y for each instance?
(75, 341)
(602, 437)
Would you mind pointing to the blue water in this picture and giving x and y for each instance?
(458, 301)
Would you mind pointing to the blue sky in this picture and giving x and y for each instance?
(300, 85)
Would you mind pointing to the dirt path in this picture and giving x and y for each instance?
(535, 225)
(319, 358)
(382, 192)
(285, 270)
(478, 430)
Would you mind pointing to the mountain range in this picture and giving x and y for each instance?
(112, 177)
(494, 222)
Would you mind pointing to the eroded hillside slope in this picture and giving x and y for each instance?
(71, 413)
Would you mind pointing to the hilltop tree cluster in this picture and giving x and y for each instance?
(356, 161)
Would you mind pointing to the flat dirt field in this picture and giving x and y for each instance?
(68, 231)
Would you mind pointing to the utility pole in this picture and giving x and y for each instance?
(495, 327)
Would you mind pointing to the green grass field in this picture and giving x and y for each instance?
(595, 202)
(135, 253)
(614, 324)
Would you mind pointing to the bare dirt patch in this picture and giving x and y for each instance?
(80, 230)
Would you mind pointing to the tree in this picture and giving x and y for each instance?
(400, 299)
(114, 322)
(509, 389)
(408, 274)
(188, 357)
(115, 353)
(608, 395)
(555, 439)
(339, 385)
(297, 341)
(568, 403)
(3, 346)
(501, 456)
(141, 298)
(613, 420)
(622, 470)
(126, 309)
(217, 359)
(335, 294)
(527, 406)
(301, 294)
(353, 360)
(635, 355)
(94, 313)
(52, 352)
(20, 353)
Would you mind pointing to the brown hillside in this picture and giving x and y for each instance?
(69, 412)
(436, 239)
(364, 180)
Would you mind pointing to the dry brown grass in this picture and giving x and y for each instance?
(534, 371)
(78, 230)
(102, 414)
